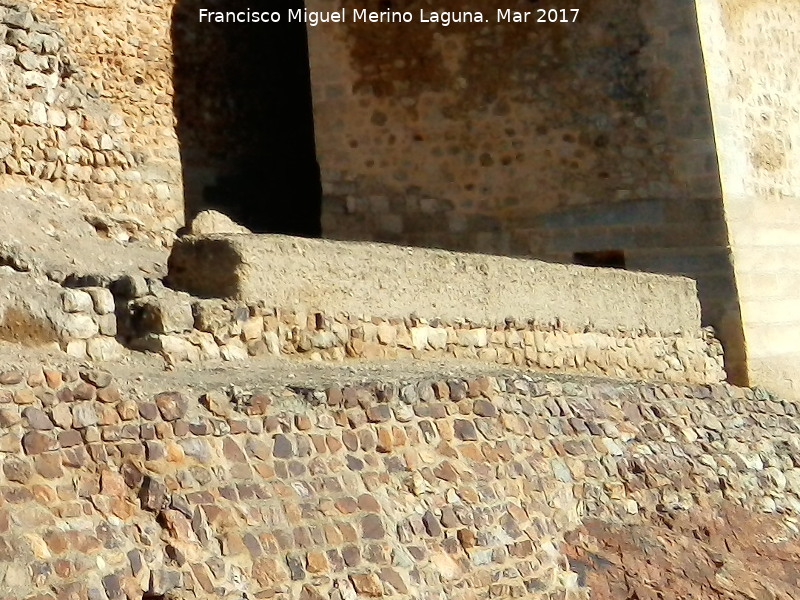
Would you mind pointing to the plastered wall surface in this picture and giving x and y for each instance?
(383, 279)
(750, 50)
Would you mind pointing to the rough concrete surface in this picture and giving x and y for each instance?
(385, 280)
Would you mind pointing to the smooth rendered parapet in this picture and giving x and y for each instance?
(380, 279)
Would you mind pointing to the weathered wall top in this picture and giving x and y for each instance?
(378, 279)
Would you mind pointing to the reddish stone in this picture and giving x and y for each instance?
(109, 394)
(84, 391)
(258, 404)
(368, 503)
(335, 396)
(484, 408)
(172, 405)
(351, 556)
(17, 470)
(267, 571)
(35, 442)
(282, 447)
(202, 576)
(310, 593)
(37, 419)
(379, 413)
(237, 426)
(302, 422)
(232, 451)
(148, 411)
(372, 527)
(465, 430)
(350, 440)
(446, 472)
(317, 562)
(367, 585)
(394, 579)
(65, 569)
(48, 465)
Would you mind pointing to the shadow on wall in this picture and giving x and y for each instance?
(245, 125)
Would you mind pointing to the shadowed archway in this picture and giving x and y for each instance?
(242, 99)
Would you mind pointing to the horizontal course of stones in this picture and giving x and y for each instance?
(104, 320)
(186, 329)
(430, 488)
(58, 129)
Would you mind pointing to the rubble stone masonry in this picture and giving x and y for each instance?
(86, 105)
(426, 488)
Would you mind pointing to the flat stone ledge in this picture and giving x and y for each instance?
(394, 281)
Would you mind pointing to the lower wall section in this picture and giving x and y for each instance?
(433, 488)
(203, 330)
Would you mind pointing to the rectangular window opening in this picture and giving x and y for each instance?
(614, 259)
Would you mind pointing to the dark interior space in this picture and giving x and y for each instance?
(614, 259)
(242, 99)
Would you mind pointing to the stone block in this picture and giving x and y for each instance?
(78, 327)
(102, 300)
(164, 315)
(19, 19)
(104, 349)
(76, 301)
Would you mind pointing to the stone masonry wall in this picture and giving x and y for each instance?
(425, 131)
(428, 489)
(103, 318)
(86, 106)
(539, 140)
(38, 312)
(184, 329)
(749, 51)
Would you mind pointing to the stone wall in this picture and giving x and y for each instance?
(427, 488)
(87, 109)
(37, 312)
(182, 329)
(626, 331)
(539, 140)
(426, 131)
(749, 51)
(331, 300)
(594, 136)
(394, 281)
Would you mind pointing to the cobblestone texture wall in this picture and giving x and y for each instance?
(758, 128)
(425, 489)
(87, 107)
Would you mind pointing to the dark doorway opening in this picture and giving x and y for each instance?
(242, 99)
(614, 259)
